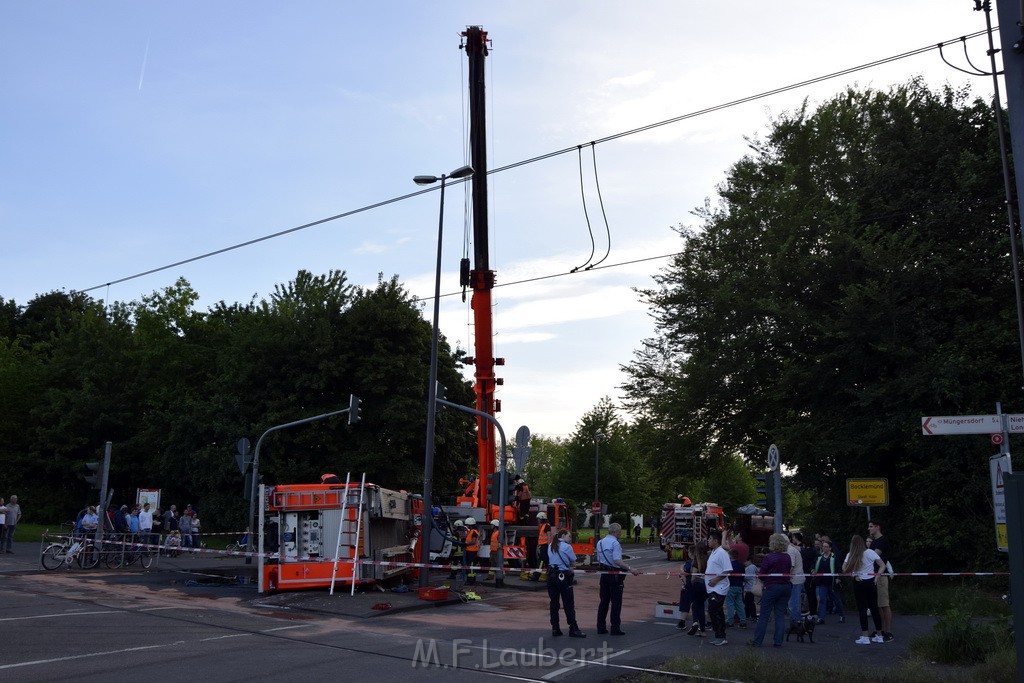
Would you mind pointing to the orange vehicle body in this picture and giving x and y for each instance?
(313, 534)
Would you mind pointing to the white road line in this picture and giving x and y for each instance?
(580, 663)
(286, 628)
(156, 609)
(62, 614)
(90, 654)
(230, 635)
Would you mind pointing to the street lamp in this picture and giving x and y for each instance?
(428, 460)
(595, 510)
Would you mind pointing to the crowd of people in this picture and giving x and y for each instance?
(722, 582)
(145, 524)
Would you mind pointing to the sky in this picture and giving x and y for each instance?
(134, 135)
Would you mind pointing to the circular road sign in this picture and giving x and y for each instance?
(773, 457)
(997, 439)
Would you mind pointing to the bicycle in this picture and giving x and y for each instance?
(68, 550)
(128, 553)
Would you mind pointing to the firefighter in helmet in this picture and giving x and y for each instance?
(521, 497)
(472, 548)
(543, 539)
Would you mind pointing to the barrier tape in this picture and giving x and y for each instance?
(472, 568)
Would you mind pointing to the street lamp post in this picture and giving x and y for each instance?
(598, 438)
(428, 459)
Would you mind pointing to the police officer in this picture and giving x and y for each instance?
(609, 554)
(561, 559)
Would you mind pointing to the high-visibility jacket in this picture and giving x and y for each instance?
(472, 541)
(494, 541)
(544, 534)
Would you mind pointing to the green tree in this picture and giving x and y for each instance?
(852, 278)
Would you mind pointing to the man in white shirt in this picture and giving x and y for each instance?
(798, 581)
(716, 578)
(146, 524)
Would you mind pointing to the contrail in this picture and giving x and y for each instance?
(145, 58)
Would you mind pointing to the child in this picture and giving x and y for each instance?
(173, 543)
(734, 599)
(750, 576)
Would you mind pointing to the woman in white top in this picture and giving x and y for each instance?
(864, 563)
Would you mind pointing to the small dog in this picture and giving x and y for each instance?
(802, 627)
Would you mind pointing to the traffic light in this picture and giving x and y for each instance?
(354, 409)
(771, 507)
(440, 391)
(762, 490)
(493, 487)
(91, 474)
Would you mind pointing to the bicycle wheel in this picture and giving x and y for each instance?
(113, 557)
(147, 558)
(87, 557)
(54, 556)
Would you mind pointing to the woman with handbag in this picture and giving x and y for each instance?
(560, 576)
(827, 587)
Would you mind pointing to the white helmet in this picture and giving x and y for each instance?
(542, 515)
(469, 521)
(457, 523)
(495, 522)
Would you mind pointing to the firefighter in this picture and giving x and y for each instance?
(458, 545)
(330, 479)
(521, 495)
(472, 548)
(495, 543)
(543, 539)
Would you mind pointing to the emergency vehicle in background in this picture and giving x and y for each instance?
(304, 527)
(685, 523)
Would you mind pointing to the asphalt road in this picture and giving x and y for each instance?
(180, 620)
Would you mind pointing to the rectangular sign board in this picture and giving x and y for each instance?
(962, 424)
(998, 466)
(867, 492)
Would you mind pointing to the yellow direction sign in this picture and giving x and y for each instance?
(867, 491)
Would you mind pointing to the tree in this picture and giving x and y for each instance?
(852, 278)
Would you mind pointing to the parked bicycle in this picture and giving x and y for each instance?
(69, 549)
(128, 551)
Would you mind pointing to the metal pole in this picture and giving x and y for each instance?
(499, 578)
(256, 469)
(428, 459)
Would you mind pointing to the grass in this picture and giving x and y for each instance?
(748, 666)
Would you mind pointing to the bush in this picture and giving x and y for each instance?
(956, 639)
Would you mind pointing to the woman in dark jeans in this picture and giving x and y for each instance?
(699, 591)
(777, 590)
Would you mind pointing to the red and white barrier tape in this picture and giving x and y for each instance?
(475, 568)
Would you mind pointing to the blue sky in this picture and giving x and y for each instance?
(138, 134)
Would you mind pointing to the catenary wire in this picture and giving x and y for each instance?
(536, 159)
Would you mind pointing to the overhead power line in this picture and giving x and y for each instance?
(542, 157)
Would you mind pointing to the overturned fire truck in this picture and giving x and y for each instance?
(315, 535)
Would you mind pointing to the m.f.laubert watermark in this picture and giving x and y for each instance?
(467, 654)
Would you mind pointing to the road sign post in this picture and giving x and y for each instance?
(774, 462)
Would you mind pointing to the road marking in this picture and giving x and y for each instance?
(230, 635)
(580, 663)
(285, 628)
(156, 609)
(62, 614)
(91, 654)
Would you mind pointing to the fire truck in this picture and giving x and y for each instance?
(312, 535)
(685, 523)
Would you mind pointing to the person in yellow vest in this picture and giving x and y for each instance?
(543, 539)
(472, 548)
(458, 546)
